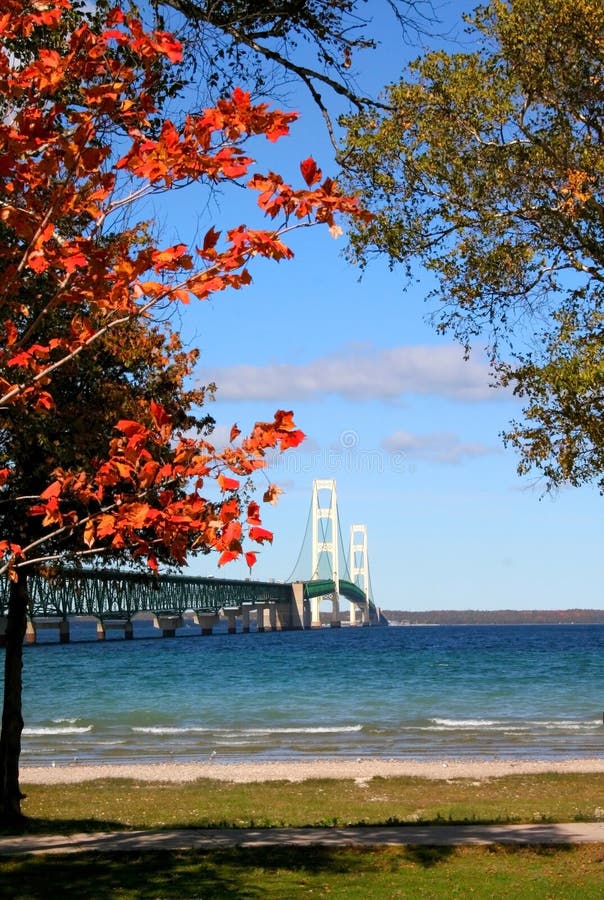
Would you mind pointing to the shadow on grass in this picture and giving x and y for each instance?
(39, 825)
(428, 857)
(95, 876)
(61, 826)
(243, 873)
(42, 826)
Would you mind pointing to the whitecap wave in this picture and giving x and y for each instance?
(508, 726)
(466, 723)
(167, 729)
(34, 731)
(320, 729)
(170, 729)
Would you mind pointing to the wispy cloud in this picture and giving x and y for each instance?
(363, 373)
(438, 447)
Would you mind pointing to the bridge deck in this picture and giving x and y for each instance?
(113, 594)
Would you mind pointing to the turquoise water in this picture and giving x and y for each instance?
(416, 693)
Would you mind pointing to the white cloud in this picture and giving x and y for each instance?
(363, 373)
(443, 447)
(220, 436)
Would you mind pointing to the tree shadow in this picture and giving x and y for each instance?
(221, 873)
(100, 875)
(237, 872)
(42, 826)
(427, 857)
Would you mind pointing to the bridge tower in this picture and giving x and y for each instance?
(325, 544)
(358, 566)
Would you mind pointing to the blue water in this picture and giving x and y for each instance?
(414, 693)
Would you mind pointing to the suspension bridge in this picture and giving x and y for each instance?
(114, 598)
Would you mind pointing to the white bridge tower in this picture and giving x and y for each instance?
(358, 566)
(325, 543)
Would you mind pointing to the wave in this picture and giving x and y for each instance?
(507, 729)
(570, 726)
(34, 731)
(503, 725)
(343, 729)
(168, 729)
(466, 723)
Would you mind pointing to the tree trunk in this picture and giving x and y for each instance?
(12, 719)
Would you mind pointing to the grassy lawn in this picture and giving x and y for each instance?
(293, 872)
(103, 804)
(271, 873)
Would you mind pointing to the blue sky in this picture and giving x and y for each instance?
(406, 427)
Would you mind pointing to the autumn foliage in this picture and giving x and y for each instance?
(80, 148)
(487, 168)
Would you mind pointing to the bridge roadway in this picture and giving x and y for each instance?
(115, 597)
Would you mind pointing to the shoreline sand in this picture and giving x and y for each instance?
(302, 770)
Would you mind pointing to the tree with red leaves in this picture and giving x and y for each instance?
(102, 452)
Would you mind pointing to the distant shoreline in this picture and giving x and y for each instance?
(358, 770)
(494, 617)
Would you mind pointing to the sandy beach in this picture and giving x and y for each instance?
(359, 770)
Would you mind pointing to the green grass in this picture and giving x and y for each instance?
(295, 872)
(285, 872)
(122, 804)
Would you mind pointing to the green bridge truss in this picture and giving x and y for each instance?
(321, 587)
(117, 594)
(348, 589)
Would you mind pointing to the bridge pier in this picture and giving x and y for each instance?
(168, 624)
(231, 613)
(206, 622)
(335, 611)
(268, 619)
(104, 625)
(315, 616)
(296, 607)
(363, 609)
(315, 612)
(274, 616)
(263, 621)
(285, 617)
(3, 621)
(32, 628)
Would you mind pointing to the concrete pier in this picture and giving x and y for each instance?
(264, 617)
(168, 624)
(231, 613)
(104, 625)
(296, 611)
(32, 628)
(206, 621)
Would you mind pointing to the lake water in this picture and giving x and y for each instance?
(413, 693)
